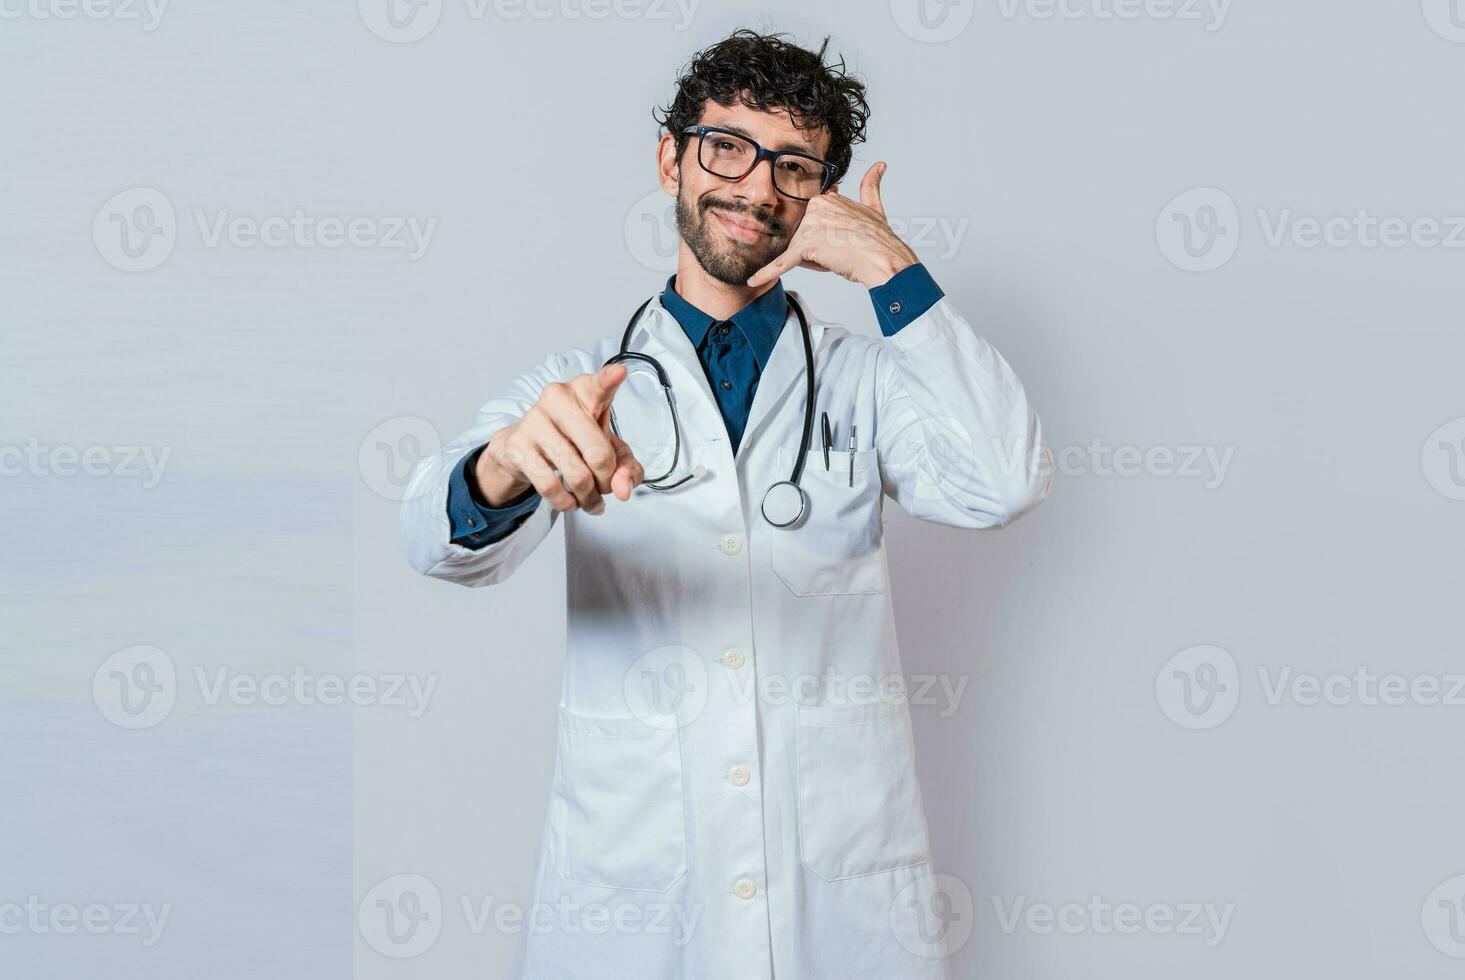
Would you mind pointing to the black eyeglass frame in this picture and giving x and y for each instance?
(759, 155)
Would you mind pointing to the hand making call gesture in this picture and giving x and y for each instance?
(838, 235)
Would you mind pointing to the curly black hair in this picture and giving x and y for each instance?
(766, 72)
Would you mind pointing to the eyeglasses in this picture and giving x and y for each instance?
(725, 154)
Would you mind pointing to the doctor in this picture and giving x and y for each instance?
(734, 790)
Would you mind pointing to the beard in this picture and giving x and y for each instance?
(725, 259)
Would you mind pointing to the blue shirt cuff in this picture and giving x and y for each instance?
(474, 523)
(902, 300)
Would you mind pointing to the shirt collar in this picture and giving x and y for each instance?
(760, 321)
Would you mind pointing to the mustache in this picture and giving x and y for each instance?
(771, 224)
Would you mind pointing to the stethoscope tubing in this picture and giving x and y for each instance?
(805, 441)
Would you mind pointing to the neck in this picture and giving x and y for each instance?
(712, 296)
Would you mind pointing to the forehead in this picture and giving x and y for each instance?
(771, 130)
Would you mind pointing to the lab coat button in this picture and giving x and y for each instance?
(733, 658)
(745, 888)
(738, 775)
(894, 308)
(731, 544)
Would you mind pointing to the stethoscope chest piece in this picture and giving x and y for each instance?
(783, 504)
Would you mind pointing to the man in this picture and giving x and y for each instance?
(734, 783)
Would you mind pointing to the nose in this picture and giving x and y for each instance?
(756, 187)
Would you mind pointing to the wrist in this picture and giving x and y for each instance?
(493, 484)
(882, 267)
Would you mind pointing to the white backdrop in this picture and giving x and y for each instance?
(1194, 716)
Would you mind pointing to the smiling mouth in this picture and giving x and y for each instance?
(735, 228)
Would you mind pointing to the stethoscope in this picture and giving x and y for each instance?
(785, 501)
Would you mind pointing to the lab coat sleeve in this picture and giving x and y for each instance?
(957, 441)
(426, 528)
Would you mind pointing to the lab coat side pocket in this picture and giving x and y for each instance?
(836, 549)
(616, 813)
(860, 809)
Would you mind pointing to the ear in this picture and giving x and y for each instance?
(668, 164)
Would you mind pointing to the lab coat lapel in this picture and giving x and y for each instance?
(659, 335)
(781, 385)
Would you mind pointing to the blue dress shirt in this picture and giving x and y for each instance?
(733, 354)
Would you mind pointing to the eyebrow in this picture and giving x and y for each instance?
(794, 147)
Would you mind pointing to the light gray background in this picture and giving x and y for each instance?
(1049, 149)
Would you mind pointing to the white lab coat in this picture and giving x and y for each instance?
(734, 791)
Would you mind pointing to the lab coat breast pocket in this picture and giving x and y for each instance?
(616, 812)
(860, 809)
(836, 548)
